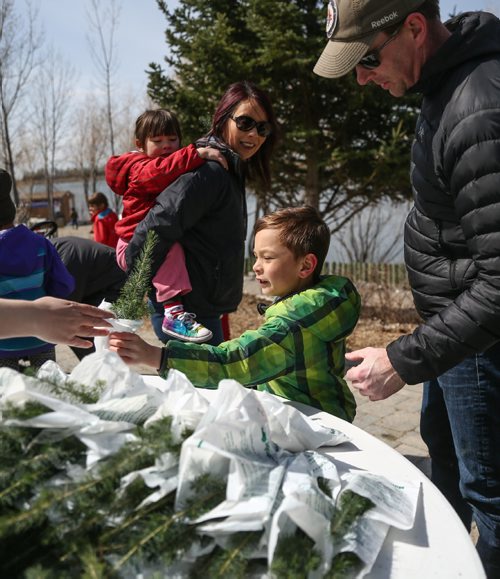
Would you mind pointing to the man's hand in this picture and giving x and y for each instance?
(374, 376)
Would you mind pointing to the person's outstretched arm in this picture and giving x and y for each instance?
(54, 320)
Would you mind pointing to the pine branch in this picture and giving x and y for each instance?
(68, 522)
(92, 528)
(344, 566)
(295, 557)
(232, 562)
(73, 392)
(93, 568)
(183, 533)
(71, 504)
(351, 506)
(131, 304)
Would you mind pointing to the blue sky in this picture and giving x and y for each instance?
(140, 36)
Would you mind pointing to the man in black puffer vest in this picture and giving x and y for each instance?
(452, 236)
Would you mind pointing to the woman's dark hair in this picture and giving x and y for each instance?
(258, 164)
(156, 122)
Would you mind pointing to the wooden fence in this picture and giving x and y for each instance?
(387, 274)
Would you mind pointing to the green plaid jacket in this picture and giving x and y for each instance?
(297, 353)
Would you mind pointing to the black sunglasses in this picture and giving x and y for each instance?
(246, 123)
(371, 59)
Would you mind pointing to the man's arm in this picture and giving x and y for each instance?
(468, 163)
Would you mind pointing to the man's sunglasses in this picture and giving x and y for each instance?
(246, 123)
(371, 59)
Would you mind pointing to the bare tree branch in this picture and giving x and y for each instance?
(88, 148)
(103, 19)
(20, 41)
(372, 236)
(50, 107)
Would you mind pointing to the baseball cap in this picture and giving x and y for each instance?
(351, 26)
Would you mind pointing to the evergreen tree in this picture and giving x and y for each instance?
(342, 147)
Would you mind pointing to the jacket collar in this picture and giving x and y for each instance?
(474, 35)
(234, 160)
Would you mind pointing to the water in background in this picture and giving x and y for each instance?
(391, 233)
(76, 187)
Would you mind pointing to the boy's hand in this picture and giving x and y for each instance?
(134, 350)
(211, 154)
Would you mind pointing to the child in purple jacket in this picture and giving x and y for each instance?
(30, 268)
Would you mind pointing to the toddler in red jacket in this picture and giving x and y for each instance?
(103, 220)
(139, 176)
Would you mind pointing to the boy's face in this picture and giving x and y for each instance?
(160, 146)
(277, 270)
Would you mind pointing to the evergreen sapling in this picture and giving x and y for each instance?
(131, 303)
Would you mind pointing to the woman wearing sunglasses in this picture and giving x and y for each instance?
(205, 210)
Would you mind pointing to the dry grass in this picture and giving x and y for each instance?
(386, 314)
(246, 317)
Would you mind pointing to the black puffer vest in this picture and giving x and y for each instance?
(452, 234)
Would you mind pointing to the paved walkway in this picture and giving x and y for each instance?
(395, 421)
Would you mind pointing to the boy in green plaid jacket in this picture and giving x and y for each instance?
(298, 352)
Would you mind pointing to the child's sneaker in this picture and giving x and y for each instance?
(184, 327)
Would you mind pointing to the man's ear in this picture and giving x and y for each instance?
(309, 263)
(417, 25)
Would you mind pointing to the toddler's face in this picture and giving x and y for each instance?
(161, 146)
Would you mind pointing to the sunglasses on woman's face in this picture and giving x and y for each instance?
(371, 59)
(246, 123)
